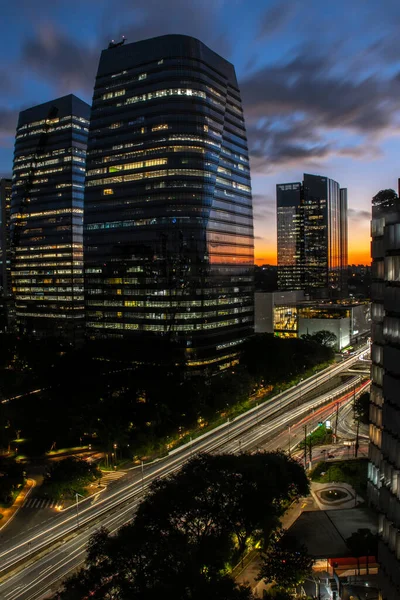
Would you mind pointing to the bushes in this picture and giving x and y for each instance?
(68, 476)
(11, 479)
(353, 472)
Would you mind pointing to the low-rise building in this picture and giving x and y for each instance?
(289, 314)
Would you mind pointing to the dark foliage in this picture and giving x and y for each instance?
(66, 477)
(108, 399)
(361, 408)
(11, 479)
(286, 563)
(188, 528)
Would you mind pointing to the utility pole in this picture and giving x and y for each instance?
(336, 422)
(77, 507)
(357, 442)
(305, 447)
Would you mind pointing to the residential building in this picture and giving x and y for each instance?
(312, 237)
(168, 208)
(384, 466)
(46, 222)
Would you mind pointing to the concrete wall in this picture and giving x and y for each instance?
(340, 327)
(263, 308)
(264, 303)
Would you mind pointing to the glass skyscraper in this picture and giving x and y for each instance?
(290, 229)
(5, 269)
(46, 222)
(312, 236)
(168, 230)
(384, 448)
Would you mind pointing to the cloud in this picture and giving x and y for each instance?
(275, 18)
(359, 215)
(8, 125)
(53, 56)
(294, 110)
(141, 19)
(264, 207)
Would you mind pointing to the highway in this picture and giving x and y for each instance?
(51, 550)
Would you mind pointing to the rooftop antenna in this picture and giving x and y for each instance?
(114, 44)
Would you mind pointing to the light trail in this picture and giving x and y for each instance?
(43, 537)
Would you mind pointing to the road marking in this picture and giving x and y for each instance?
(218, 438)
(305, 504)
(12, 591)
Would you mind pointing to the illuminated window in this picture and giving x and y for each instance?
(108, 192)
(159, 127)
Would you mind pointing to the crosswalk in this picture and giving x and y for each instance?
(36, 502)
(40, 503)
(110, 476)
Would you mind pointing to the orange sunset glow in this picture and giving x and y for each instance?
(359, 252)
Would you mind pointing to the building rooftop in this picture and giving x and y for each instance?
(324, 532)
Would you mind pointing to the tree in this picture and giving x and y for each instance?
(361, 408)
(286, 562)
(323, 337)
(362, 543)
(11, 479)
(66, 477)
(387, 195)
(189, 527)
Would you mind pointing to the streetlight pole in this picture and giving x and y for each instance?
(77, 507)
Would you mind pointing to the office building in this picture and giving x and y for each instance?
(289, 314)
(384, 452)
(290, 230)
(5, 270)
(168, 208)
(312, 237)
(46, 223)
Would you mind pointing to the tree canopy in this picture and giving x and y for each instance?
(119, 402)
(70, 475)
(189, 528)
(361, 408)
(323, 337)
(286, 562)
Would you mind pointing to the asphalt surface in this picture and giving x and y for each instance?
(34, 562)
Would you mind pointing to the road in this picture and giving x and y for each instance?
(49, 551)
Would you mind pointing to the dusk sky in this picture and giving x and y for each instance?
(320, 82)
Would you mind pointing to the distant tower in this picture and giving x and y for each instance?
(312, 236)
(5, 269)
(47, 217)
(168, 208)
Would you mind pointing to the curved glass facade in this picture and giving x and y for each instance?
(168, 232)
(46, 222)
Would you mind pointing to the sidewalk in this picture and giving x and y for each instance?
(9, 513)
(252, 562)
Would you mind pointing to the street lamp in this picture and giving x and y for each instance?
(77, 506)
